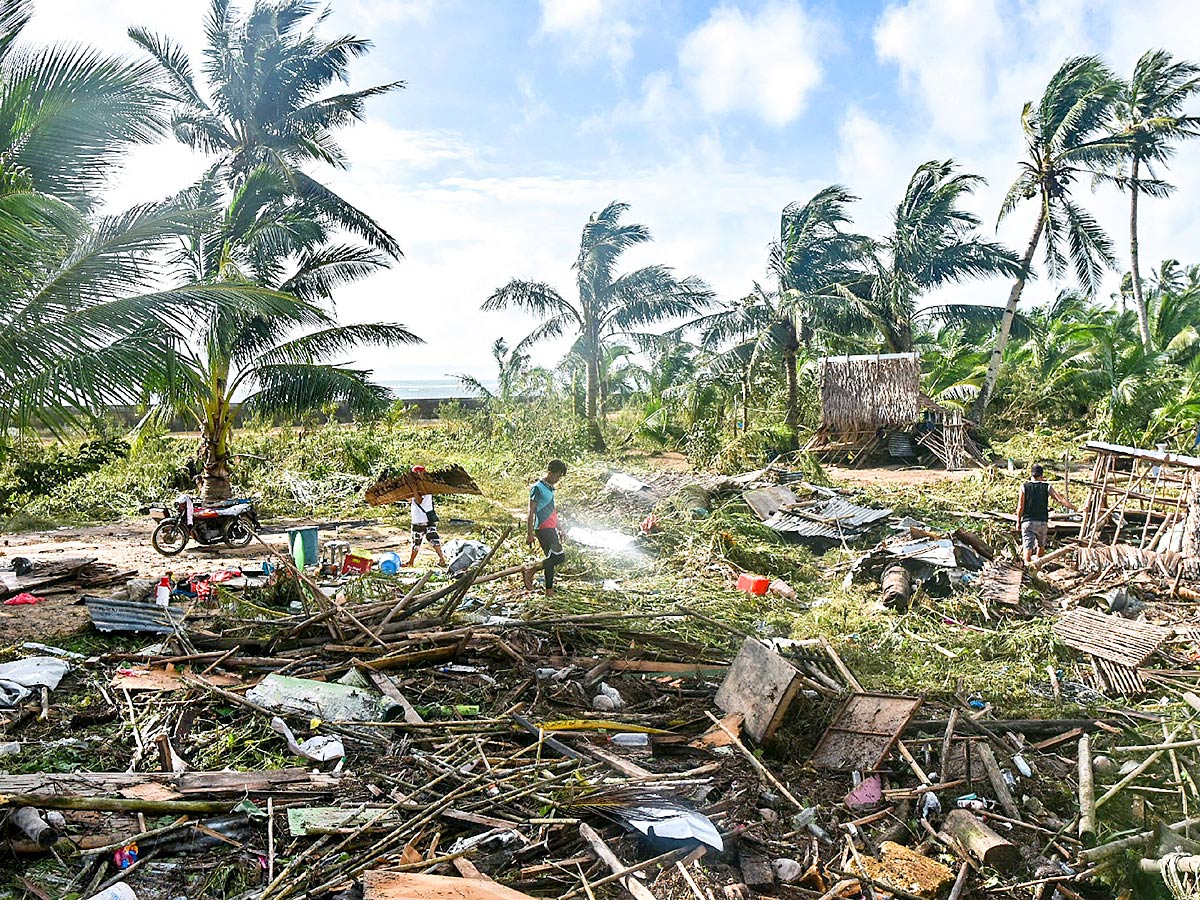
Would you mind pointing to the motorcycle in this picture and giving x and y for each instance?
(232, 522)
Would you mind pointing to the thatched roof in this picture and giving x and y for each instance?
(399, 488)
(865, 393)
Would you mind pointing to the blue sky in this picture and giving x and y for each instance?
(521, 118)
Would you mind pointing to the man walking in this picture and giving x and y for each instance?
(1033, 512)
(542, 523)
(424, 523)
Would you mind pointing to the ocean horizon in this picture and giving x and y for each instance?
(429, 388)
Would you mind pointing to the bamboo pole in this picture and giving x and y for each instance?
(1087, 791)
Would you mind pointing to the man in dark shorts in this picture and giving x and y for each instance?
(1033, 512)
(543, 523)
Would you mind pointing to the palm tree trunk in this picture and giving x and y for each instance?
(793, 397)
(592, 411)
(1138, 298)
(1010, 312)
(214, 455)
(745, 403)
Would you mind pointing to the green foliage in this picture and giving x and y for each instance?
(154, 470)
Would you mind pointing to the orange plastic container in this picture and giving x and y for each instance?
(753, 584)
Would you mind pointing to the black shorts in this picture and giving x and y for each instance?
(425, 532)
(551, 543)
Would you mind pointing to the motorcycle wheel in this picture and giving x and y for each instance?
(169, 538)
(238, 533)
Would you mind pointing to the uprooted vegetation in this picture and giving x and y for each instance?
(655, 619)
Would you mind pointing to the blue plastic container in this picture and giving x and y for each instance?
(308, 553)
(389, 563)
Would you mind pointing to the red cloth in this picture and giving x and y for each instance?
(23, 599)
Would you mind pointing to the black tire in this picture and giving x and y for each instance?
(170, 537)
(238, 532)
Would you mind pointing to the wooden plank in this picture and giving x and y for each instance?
(417, 886)
(93, 784)
(761, 685)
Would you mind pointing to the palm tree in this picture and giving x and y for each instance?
(817, 266)
(80, 297)
(932, 243)
(1149, 123)
(1066, 135)
(268, 75)
(608, 304)
(516, 379)
(237, 359)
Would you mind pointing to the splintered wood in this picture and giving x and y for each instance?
(1147, 498)
(864, 732)
(416, 886)
(1110, 638)
(1000, 582)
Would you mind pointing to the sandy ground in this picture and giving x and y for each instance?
(126, 547)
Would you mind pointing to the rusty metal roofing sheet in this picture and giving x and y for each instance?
(123, 615)
(829, 520)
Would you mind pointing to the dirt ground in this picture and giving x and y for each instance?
(126, 546)
(895, 475)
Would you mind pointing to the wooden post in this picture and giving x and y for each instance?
(1087, 792)
(983, 844)
(999, 786)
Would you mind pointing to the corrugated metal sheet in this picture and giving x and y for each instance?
(123, 615)
(829, 520)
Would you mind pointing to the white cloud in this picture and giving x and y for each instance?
(765, 64)
(591, 29)
(947, 52)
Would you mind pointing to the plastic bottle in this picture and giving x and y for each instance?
(162, 594)
(630, 739)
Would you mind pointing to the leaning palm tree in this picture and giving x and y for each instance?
(818, 268)
(1067, 135)
(81, 294)
(271, 362)
(608, 304)
(267, 101)
(932, 243)
(1150, 121)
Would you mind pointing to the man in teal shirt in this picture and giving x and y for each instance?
(542, 523)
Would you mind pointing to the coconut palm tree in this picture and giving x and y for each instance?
(1067, 135)
(267, 101)
(1150, 121)
(274, 362)
(608, 304)
(516, 379)
(932, 243)
(817, 266)
(80, 297)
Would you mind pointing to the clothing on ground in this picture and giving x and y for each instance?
(545, 513)
(1037, 501)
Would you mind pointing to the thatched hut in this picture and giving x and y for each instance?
(874, 401)
(862, 394)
